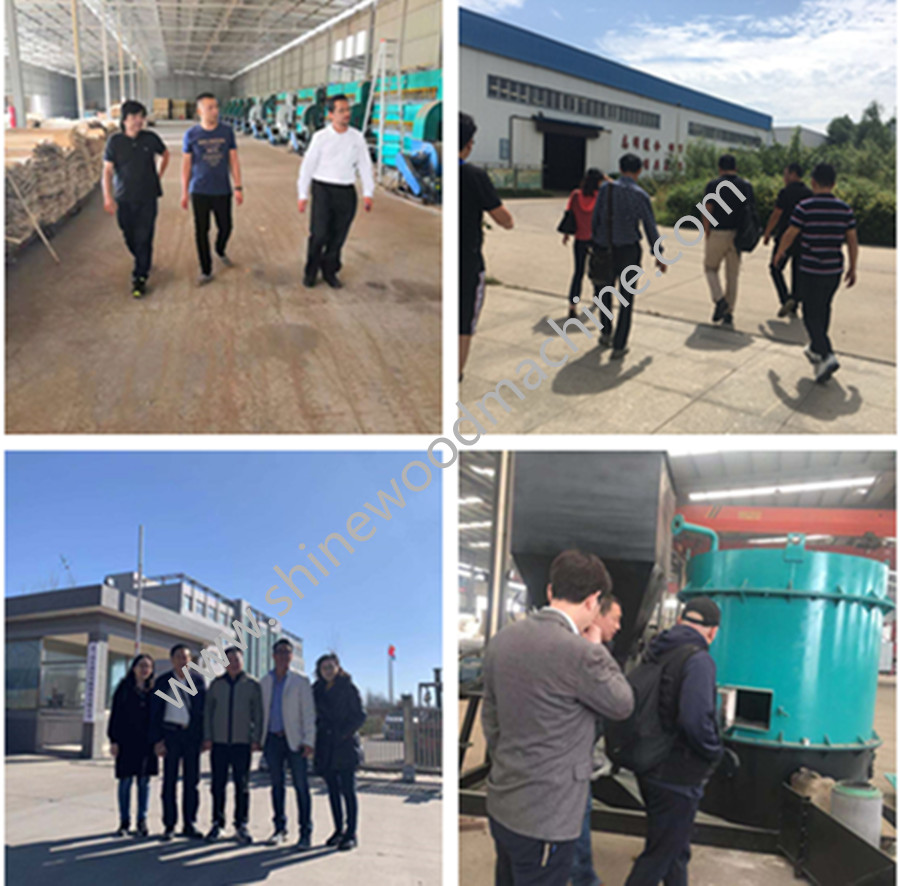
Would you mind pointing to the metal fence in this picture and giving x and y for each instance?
(407, 740)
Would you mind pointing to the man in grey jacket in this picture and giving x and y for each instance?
(289, 728)
(232, 728)
(545, 685)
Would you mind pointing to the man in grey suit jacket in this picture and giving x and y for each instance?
(545, 685)
(289, 733)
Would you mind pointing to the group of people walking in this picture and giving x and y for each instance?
(551, 687)
(294, 724)
(605, 217)
(136, 159)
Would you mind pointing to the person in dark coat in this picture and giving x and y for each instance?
(339, 715)
(130, 741)
(177, 734)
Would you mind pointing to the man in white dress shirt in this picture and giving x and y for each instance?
(335, 156)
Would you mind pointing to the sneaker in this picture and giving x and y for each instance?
(167, 834)
(309, 281)
(334, 839)
(213, 834)
(811, 355)
(304, 844)
(348, 842)
(226, 261)
(142, 829)
(191, 833)
(606, 340)
(728, 320)
(279, 838)
(123, 829)
(203, 279)
(139, 287)
(789, 307)
(619, 353)
(721, 310)
(333, 282)
(243, 835)
(826, 369)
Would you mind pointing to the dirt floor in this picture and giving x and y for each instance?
(252, 352)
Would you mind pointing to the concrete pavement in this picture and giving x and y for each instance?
(682, 374)
(60, 816)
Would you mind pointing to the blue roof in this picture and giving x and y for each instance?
(498, 38)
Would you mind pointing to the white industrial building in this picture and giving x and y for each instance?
(547, 111)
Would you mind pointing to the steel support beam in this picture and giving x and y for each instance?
(853, 522)
(79, 80)
(107, 100)
(15, 64)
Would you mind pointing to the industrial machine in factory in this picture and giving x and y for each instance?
(797, 665)
(797, 655)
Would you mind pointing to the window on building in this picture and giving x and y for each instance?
(23, 674)
(63, 670)
(361, 38)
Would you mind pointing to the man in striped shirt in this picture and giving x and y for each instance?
(823, 223)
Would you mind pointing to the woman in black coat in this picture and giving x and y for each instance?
(339, 715)
(129, 735)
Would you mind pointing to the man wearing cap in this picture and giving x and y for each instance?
(672, 790)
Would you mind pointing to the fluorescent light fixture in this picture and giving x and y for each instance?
(781, 539)
(785, 489)
(479, 544)
(325, 26)
(471, 500)
(479, 524)
(484, 472)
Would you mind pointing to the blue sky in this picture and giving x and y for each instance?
(802, 61)
(227, 519)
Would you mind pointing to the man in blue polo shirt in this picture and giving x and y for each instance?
(209, 166)
(129, 163)
(823, 223)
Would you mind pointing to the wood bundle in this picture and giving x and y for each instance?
(54, 170)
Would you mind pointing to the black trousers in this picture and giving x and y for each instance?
(625, 256)
(342, 792)
(667, 852)
(777, 273)
(581, 252)
(527, 861)
(205, 205)
(138, 222)
(333, 208)
(181, 749)
(816, 294)
(235, 757)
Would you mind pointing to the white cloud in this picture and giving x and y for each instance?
(828, 58)
(492, 7)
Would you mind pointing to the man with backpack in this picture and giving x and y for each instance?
(544, 687)
(732, 197)
(675, 738)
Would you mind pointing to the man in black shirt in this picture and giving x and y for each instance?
(725, 198)
(476, 196)
(788, 197)
(129, 162)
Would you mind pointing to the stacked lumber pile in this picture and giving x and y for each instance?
(54, 168)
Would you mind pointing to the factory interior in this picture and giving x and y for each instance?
(254, 351)
(798, 549)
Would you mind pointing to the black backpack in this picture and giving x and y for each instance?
(647, 737)
(750, 229)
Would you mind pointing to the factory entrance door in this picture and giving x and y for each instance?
(564, 157)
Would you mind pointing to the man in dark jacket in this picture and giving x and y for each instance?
(232, 730)
(673, 790)
(177, 733)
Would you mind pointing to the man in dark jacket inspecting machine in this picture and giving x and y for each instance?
(673, 789)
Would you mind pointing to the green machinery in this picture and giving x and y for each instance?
(797, 659)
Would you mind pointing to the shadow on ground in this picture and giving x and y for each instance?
(587, 375)
(716, 338)
(826, 402)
